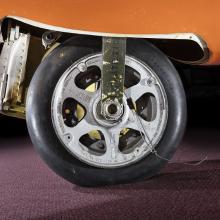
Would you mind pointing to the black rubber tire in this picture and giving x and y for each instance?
(46, 141)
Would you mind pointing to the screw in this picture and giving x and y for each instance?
(151, 81)
(68, 137)
(82, 67)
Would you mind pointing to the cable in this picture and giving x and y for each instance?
(150, 145)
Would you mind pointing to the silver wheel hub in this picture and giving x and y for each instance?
(112, 110)
(123, 136)
(121, 115)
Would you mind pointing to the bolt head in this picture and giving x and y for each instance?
(82, 67)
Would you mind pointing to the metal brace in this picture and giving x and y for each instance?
(113, 74)
(12, 72)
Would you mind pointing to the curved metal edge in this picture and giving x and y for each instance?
(175, 36)
(1, 38)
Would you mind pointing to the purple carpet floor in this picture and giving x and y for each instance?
(30, 190)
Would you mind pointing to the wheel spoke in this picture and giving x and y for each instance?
(82, 128)
(139, 124)
(112, 143)
(136, 91)
(83, 97)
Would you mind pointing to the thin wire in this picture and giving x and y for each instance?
(153, 150)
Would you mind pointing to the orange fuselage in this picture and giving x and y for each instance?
(125, 16)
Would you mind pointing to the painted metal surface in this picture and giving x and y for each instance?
(126, 17)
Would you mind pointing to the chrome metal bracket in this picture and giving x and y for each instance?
(113, 73)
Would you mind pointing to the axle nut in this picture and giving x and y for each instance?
(112, 110)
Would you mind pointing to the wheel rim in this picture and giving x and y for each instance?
(92, 139)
